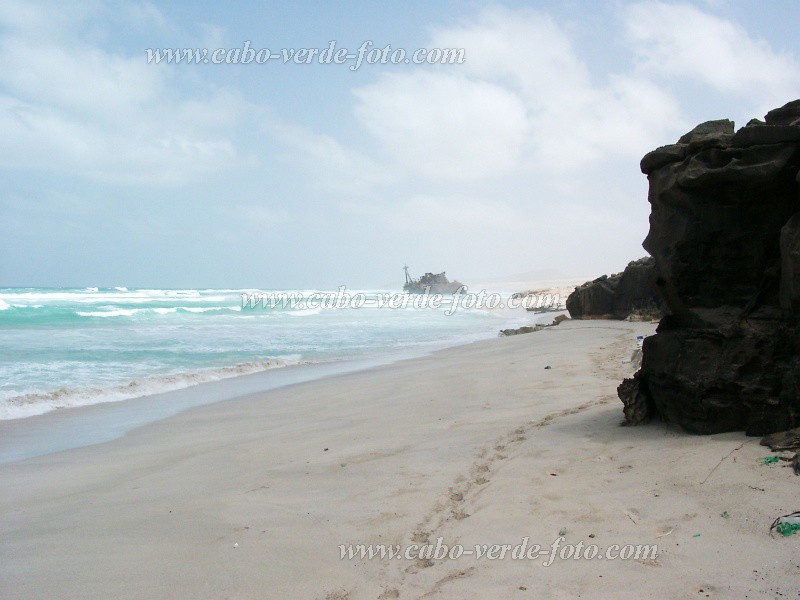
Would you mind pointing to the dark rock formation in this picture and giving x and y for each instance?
(725, 236)
(630, 294)
(637, 406)
(521, 330)
(533, 328)
(783, 441)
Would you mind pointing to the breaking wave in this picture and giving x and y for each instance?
(29, 405)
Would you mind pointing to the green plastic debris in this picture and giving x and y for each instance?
(787, 524)
(696, 535)
(343, 465)
(770, 460)
(725, 515)
(787, 529)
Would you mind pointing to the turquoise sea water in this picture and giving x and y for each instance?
(70, 347)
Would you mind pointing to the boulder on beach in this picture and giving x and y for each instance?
(631, 295)
(725, 238)
(520, 330)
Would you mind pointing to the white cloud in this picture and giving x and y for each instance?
(260, 218)
(524, 50)
(443, 125)
(51, 20)
(522, 157)
(66, 105)
(85, 81)
(143, 15)
(523, 99)
(330, 165)
(682, 41)
(454, 217)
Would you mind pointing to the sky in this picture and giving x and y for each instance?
(523, 159)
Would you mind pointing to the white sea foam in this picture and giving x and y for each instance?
(4, 305)
(118, 297)
(112, 311)
(29, 405)
(304, 312)
(203, 309)
(121, 312)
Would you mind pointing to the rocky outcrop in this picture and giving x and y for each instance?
(630, 294)
(521, 330)
(725, 236)
(637, 406)
(533, 328)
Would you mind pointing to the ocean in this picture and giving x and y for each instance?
(68, 347)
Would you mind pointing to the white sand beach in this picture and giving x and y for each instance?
(479, 444)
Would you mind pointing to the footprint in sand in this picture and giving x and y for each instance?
(688, 517)
(649, 562)
(420, 537)
(481, 480)
(665, 530)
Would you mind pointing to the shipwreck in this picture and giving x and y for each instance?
(431, 283)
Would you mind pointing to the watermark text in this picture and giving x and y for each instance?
(450, 303)
(523, 550)
(368, 53)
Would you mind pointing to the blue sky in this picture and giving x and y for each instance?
(522, 159)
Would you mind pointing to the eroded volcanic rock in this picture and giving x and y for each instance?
(630, 294)
(725, 236)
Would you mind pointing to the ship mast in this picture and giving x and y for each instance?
(408, 279)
